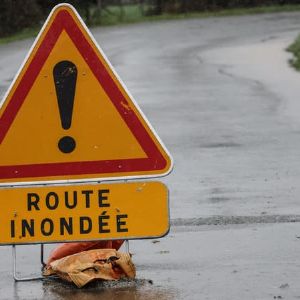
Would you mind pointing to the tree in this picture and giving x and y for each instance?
(18, 14)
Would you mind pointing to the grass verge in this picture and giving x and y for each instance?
(133, 14)
(23, 34)
(295, 49)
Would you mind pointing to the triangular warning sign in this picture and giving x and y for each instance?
(68, 116)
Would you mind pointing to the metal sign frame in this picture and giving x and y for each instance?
(14, 257)
(57, 182)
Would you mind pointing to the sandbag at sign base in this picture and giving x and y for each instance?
(100, 264)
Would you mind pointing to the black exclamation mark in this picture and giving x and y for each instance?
(65, 75)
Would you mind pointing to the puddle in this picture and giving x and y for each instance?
(266, 63)
(121, 290)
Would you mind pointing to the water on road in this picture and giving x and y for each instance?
(222, 97)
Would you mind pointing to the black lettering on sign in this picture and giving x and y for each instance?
(102, 198)
(68, 204)
(27, 227)
(85, 225)
(47, 227)
(121, 223)
(32, 200)
(12, 229)
(66, 225)
(54, 198)
(102, 223)
(87, 198)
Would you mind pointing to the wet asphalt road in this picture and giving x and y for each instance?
(222, 97)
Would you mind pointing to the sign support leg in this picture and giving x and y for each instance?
(16, 278)
(42, 256)
(127, 245)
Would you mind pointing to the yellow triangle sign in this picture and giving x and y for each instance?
(68, 116)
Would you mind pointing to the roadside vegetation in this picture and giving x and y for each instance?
(22, 18)
(295, 49)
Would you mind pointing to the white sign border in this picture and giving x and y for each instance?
(82, 180)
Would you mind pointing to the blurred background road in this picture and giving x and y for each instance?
(221, 95)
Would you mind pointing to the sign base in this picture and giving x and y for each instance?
(14, 256)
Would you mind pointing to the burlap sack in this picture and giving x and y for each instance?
(84, 267)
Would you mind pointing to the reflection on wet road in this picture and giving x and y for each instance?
(123, 290)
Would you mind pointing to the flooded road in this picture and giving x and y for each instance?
(222, 97)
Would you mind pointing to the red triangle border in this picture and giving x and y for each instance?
(155, 160)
